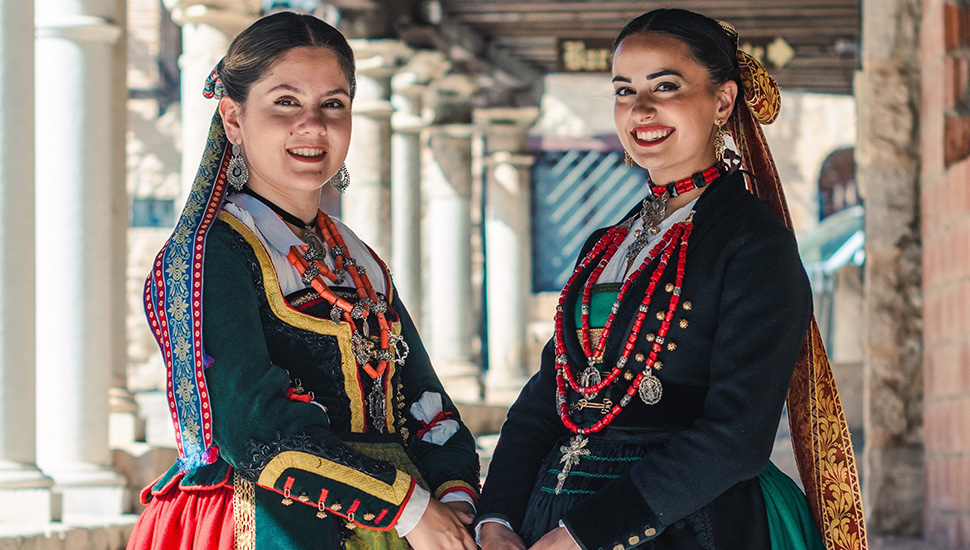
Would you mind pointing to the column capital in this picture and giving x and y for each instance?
(451, 99)
(377, 61)
(424, 67)
(409, 86)
(506, 116)
(504, 157)
(506, 128)
(457, 131)
(379, 58)
(79, 28)
(229, 16)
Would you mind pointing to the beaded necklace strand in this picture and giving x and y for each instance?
(373, 362)
(590, 381)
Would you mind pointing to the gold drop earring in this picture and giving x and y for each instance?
(720, 144)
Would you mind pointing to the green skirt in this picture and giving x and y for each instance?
(790, 522)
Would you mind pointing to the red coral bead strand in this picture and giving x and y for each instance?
(563, 371)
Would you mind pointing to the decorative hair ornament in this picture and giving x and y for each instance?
(238, 173)
(729, 30)
(761, 92)
(213, 85)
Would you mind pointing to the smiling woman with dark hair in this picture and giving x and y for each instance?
(306, 411)
(653, 415)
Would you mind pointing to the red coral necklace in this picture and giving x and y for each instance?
(645, 383)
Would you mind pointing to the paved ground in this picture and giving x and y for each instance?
(893, 543)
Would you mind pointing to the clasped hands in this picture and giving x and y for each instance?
(496, 536)
(445, 526)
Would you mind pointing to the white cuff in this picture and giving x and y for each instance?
(413, 511)
(459, 496)
(478, 527)
(568, 532)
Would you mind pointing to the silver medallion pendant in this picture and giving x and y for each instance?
(317, 250)
(651, 389)
(590, 377)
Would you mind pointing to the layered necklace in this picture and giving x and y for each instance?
(590, 380)
(309, 260)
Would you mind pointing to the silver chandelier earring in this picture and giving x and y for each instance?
(341, 180)
(238, 173)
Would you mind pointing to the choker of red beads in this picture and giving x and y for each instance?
(373, 360)
(645, 383)
(654, 207)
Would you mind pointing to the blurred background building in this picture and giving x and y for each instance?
(483, 154)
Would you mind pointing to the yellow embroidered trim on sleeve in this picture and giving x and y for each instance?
(451, 485)
(292, 317)
(394, 493)
(244, 513)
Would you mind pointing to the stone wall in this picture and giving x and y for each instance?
(887, 155)
(945, 142)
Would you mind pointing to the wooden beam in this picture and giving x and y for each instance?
(790, 32)
(702, 6)
(466, 45)
(810, 14)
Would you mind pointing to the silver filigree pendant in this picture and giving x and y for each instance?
(653, 211)
(590, 377)
(651, 390)
(377, 405)
(318, 250)
(361, 347)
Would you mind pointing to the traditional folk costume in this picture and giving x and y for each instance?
(653, 415)
(306, 410)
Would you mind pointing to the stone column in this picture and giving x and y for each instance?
(123, 420)
(888, 93)
(207, 29)
(366, 206)
(507, 247)
(450, 322)
(25, 495)
(408, 88)
(75, 222)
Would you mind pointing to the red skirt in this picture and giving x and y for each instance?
(180, 519)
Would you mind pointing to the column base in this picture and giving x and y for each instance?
(462, 380)
(89, 492)
(124, 425)
(25, 494)
(502, 388)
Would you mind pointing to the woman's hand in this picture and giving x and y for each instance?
(496, 536)
(440, 528)
(557, 539)
(463, 510)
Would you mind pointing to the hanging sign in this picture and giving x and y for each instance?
(584, 55)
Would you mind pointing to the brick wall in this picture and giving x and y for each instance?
(945, 143)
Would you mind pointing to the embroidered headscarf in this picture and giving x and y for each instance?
(819, 433)
(173, 300)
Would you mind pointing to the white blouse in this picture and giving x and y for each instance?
(277, 238)
(615, 271)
